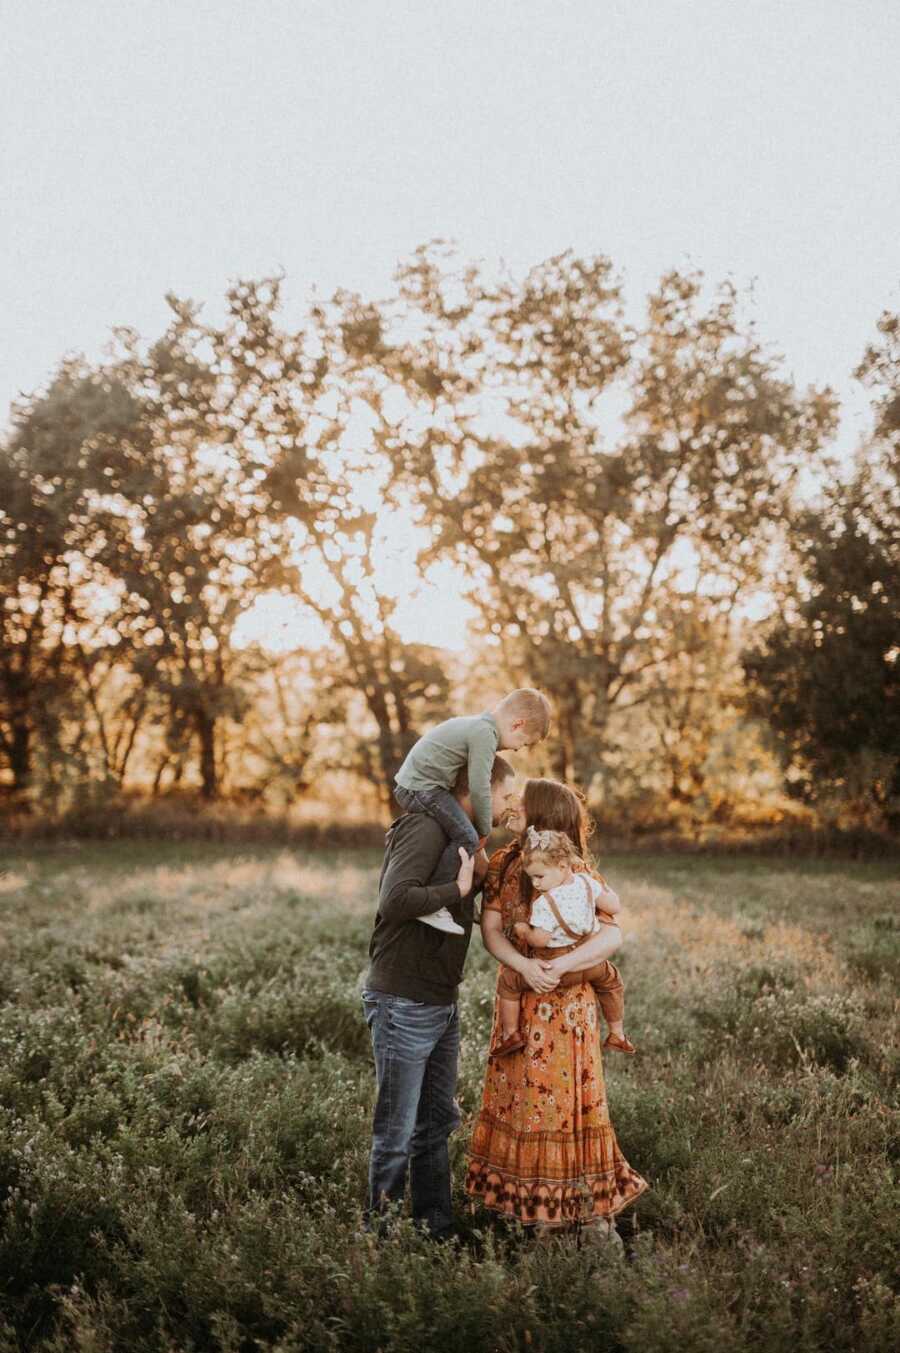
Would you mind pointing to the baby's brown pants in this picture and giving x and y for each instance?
(603, 977)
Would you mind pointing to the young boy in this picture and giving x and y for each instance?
(424, 781)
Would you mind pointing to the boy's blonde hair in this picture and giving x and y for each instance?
(530, 705)
(555, 847)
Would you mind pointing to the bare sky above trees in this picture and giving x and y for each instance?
(148, 147)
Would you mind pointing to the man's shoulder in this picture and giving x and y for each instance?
(415, 829)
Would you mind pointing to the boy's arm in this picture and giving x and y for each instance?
(405, 892)
(482, 750)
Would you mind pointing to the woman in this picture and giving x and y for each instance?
(543, 1150)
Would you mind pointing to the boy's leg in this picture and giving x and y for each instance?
(438, 1115)
(509, 1015)
(509, 990)
(404, 1035)
(604, 978)
(406, 799)
(610, 991)
(444, 808)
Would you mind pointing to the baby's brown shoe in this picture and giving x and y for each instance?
(619, 1044)
(512, 1043)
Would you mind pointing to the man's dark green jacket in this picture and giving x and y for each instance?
(406, 957)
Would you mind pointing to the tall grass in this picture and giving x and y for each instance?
(186, 1082)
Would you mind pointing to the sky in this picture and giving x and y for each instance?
(176, 145)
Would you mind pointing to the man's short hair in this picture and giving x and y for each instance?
(500, 770)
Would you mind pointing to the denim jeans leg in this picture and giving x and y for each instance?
(438, 1116)
(404, 1034)
(445, 810)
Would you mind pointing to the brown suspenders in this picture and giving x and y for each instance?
(558, 914)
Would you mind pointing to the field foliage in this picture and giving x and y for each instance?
(186, 1082)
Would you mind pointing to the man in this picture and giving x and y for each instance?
(410, 1007)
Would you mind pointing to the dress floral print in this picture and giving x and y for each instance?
(543, 1148)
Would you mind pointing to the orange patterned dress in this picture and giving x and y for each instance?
(543, 1148)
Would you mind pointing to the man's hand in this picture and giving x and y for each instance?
(481, 866)
(538, 975)
(466, 871)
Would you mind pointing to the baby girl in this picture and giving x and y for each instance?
(569, 906)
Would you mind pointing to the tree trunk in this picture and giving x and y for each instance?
(20, 756)
(564, 752)
(206, 731)
(160, 772)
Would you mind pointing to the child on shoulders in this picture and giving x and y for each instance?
(424, 782)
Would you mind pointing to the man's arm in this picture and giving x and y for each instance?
(413, 857)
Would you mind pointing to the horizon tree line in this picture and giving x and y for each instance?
(148, 500)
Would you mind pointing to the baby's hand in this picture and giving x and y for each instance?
(521, 928)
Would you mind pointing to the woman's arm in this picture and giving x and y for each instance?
(536, 973)
(594, 950)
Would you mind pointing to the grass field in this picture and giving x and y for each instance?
(185, 1088)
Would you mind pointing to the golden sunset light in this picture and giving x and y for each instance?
(449, 676)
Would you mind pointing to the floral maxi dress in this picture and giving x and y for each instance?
(543, 1148)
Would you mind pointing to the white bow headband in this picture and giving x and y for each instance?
(539, 840)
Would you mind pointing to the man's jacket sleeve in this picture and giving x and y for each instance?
(405, 892)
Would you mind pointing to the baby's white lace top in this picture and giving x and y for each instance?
(576, 906)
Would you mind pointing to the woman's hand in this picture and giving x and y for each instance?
(598, 946)
(538, 976)
(514, 820)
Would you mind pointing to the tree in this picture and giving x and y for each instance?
(195, 530)
(402, 686)
(825, 673)
(585, 551)
(63, 453)
(387, 688)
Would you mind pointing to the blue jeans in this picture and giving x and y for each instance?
(416, 1050)
(444, 808)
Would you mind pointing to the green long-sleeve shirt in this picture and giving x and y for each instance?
(437, 758)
